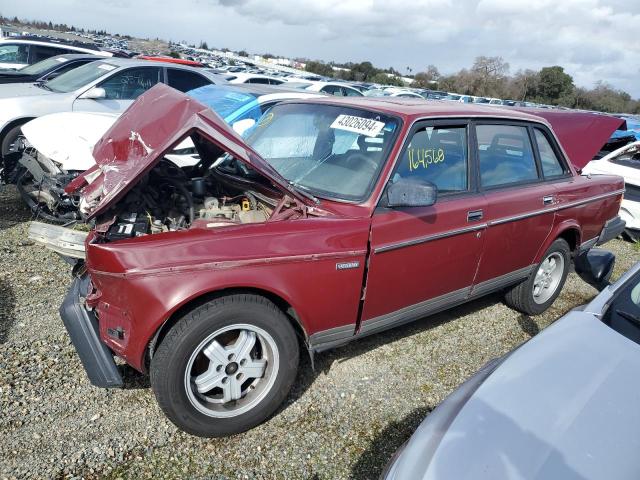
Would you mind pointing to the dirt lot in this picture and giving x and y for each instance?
(344, 420)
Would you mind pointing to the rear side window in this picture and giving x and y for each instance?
(350, 92)
(551, 166)
(505, 155)
(129, 84)
(41, 53)
(437, 155)
(184, 80)
(332, 90)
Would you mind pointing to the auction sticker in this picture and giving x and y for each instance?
(363, 126)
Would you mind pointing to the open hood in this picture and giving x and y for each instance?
(581, 134)
(154, 123)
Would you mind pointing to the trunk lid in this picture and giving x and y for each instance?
(581, 134)
(155, 122)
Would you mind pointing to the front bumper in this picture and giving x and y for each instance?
(612, 229)
(82, 326)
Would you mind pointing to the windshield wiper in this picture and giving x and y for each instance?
(43, 85)
(629, 316)
(303, 192)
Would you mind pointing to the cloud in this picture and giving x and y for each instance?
(593, 39)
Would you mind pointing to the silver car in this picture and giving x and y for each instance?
(107, 86)
(564, 405)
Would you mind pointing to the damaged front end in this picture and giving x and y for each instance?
(134, 190)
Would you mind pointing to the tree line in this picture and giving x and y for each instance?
(490, 77)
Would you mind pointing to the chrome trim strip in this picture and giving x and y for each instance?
(591, 199)
(522, 216)
(491, 223)
(429, 238)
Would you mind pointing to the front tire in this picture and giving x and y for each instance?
(226, 366)
(539, 291)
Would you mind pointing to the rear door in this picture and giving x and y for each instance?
(519, 203)
(424, 259)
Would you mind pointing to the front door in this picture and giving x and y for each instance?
(424, 259)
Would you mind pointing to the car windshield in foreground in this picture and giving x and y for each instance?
(79, 77)
(43, 66)
(329, 151)
(227, 101)
(623, 315)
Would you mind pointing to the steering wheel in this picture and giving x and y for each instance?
(362, 158)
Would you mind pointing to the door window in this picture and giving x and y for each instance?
(184, 80)
(505, 155)
(437, 155)
(332, 90)
(131, 83)
(41, 53)
(351, 92)
(551, 166)
(14, 53)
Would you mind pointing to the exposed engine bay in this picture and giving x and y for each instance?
(168, 200)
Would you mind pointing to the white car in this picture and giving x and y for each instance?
(393, 92)
(334, 88)
(107, 86)
(240, 77)
(625, 162)
(19, 52)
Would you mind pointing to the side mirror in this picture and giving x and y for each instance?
(242, 126)
(411, 192)
(95, 93)
(595, 267)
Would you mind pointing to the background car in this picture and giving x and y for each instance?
(18, 52)
(252, 78)
(563, 405)
(47, 69)
(107, 86)
(625, 161)
(334, 88)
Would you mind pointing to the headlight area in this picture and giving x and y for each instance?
(413, 458)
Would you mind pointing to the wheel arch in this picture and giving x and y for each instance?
(13, 123)
(191, 304)
(569, 231)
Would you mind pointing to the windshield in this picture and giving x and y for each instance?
(330, 151)
(79, 77)
(43, 66)
(229, 102)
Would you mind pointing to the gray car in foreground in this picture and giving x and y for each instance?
(564, 405)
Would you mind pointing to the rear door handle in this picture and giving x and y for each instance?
(548, 200)
(474, 215)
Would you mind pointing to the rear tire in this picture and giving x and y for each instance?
(226, 366)
(539, 291)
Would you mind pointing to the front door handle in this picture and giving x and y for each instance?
(548, 200)
(474, 215)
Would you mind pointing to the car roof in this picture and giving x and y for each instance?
(48, 42)
(78, 56)
(410, 108)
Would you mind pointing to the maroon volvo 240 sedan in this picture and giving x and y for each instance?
(332, 219)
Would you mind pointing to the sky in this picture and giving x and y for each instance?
(592, 39)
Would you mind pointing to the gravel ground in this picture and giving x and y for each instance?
(344, 420)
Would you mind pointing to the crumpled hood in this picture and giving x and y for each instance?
(155, 122)
(564, 405)
(581, 134)
(68, 138)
